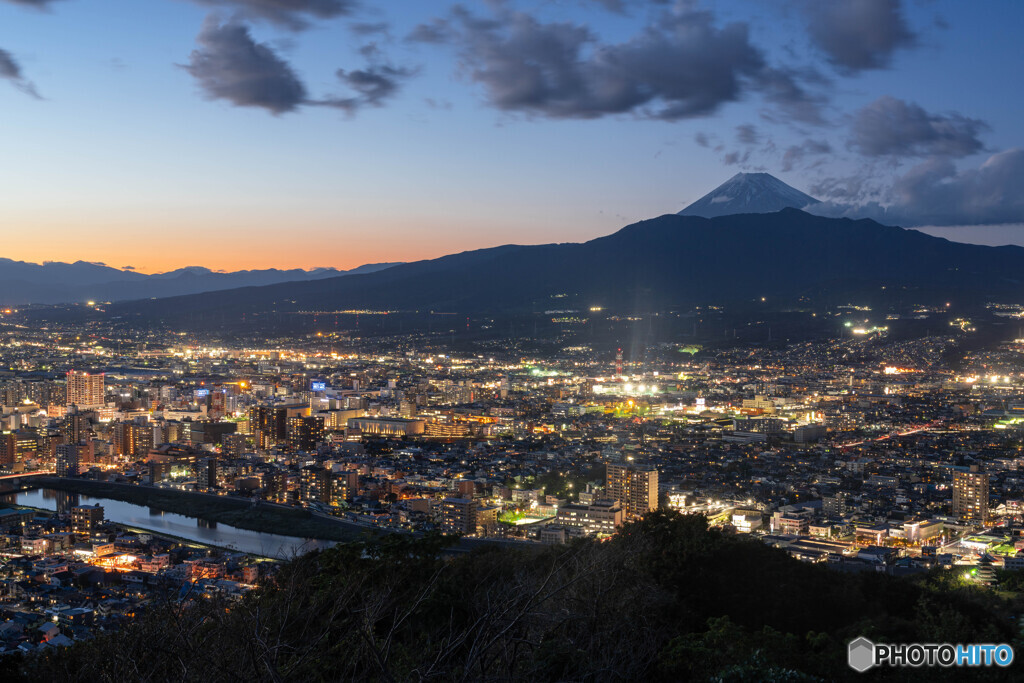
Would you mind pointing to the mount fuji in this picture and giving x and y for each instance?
(749, 193)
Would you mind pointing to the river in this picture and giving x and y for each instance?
(172, 524)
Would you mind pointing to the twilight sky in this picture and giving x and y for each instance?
(301, 133)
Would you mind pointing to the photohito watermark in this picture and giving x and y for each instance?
(863, 654)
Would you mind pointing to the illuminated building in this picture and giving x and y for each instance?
(85, 518)
(261, 423)
(834, 506)
(85, 389)
(131, 438)
(304, 433)
(217, 404)
(486, 520)
(446, 431)
(206, 473)
(387, 426)
(635, 487)
(17, 446)
(67, 460)
(458, 516)
(210, 432)
(345, 485)
(269, 424)
(158, 471)
(599, 518)
(315, 484)
(275, 484)
(78, 427)
(970, 495)
(809, 433)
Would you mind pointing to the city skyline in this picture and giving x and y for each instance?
(146, 147)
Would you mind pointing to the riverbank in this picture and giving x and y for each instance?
(152, 532)
(243, 514)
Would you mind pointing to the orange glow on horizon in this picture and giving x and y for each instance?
(160, 239)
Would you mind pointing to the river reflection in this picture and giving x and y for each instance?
(182, 526)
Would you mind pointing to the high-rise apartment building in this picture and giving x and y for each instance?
(304, 433)
(207, 473)
(315, 484)
(970, 495)
(345, 486)
(275, 484)
(78, 427)
(634, 486)
(458, 516)
(131, 438)
(67, 460)
(85, 388)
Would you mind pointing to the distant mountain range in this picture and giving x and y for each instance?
(788, 258)
(667, 263)
(55, 282)
(749, 193)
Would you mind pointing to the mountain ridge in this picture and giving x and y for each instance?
(53, 282)
(661, 263)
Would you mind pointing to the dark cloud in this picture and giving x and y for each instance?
(434, 32)
(702, 139)
(33, 3)
(230, 65)
(736, 157)
(857, 35)
(294, 14)
(619, 6)
(373, 84)
(9, 68)
(936, 193)
(369, 29)
(796, 154)
(892, 127)
(783, 88)
(747, 134)
(681, 66)
(10, 71)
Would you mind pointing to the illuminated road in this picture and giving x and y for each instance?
(915, 430)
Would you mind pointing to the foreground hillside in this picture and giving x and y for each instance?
(667, 599)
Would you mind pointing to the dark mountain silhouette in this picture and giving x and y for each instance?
(749, 193)
(55, 282)
(655, 265)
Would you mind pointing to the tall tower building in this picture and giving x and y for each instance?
(970, 495)
(67, 460)
(315, 484)
(85, 389)
(634, 486)
(130, 438)
(304, 433)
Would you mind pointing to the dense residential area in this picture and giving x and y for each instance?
(144, 473)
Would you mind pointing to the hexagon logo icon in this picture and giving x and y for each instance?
(861, 654)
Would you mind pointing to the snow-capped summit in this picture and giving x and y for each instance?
(749, 193)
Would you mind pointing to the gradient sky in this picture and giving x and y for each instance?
(163, 133)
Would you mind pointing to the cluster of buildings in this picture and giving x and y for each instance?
(862, 452)
(71, 575)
